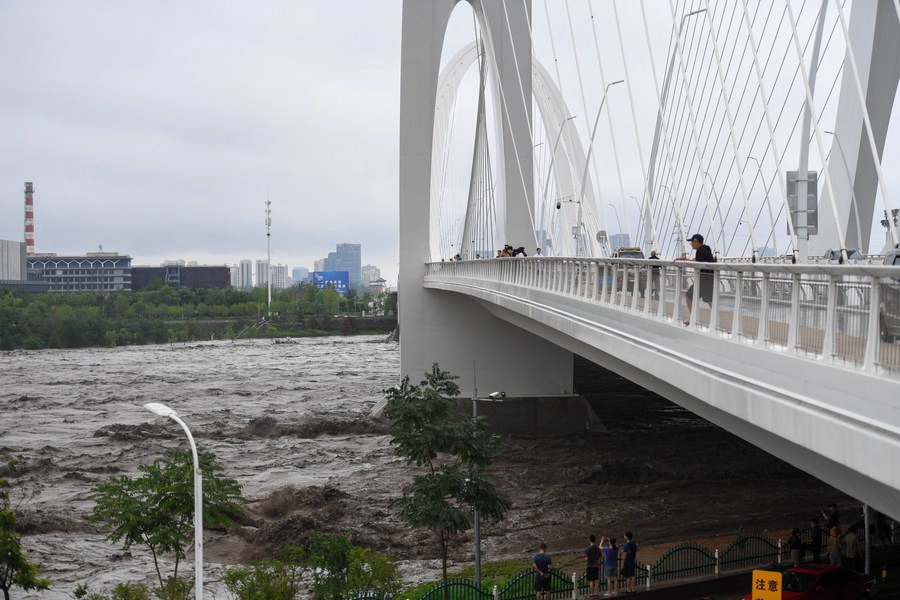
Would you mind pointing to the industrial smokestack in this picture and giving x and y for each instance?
(29, 218)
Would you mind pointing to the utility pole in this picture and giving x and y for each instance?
(269, 253)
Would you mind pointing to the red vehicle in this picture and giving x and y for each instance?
(824, 582)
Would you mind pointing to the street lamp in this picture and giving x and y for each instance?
(492, 397)
(768, 205)
(654, 150)
(164, 411)
(587, 161)
(269, 253)
(618, 222)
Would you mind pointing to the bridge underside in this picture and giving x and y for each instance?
(768, 399)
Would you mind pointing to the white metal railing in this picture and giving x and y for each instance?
(849, 314)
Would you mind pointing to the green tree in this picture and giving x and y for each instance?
(15, 570)
(156, 509)
(454, 453)
(267, 580)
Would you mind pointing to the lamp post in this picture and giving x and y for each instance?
(618, 222)
(562, 127)
(640, 216)
(164, 411)
(269, 254)
(651, 171)
(768, 204)
(587, 161)
(493, 397)
(850, 183)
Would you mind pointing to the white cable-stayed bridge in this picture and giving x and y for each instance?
(583, 126)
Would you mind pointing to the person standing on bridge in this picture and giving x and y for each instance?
(703, 253)
(654, 276)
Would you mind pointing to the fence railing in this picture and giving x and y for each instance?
(846, 313)
(685, 561)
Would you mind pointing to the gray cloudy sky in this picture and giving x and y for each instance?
(157, 128)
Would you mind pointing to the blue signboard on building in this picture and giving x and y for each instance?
(340, 280)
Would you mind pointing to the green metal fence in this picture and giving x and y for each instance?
(684, 561)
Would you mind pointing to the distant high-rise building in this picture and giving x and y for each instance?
(279, 276)
(300, 274)
(369, 274)
(245, 280)
(262, 273)
(620, 240)
(319, 265)
(347, 257)
(234, 273)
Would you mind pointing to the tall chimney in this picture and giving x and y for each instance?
(29, 218)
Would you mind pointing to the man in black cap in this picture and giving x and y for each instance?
(703, 254)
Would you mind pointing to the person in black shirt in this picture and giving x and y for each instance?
(832, 517)
(703, 254)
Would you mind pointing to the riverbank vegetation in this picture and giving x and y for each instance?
(161, 314)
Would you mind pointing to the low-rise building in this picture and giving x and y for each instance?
(93, 272)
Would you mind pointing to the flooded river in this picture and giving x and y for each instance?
(72, 418)
(290, 420)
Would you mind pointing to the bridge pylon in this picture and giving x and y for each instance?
(453, 330)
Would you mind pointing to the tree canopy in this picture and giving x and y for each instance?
(156, 510)
(15, 568)
(454, 453)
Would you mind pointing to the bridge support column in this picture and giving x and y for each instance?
(443, 327)
(875, 35)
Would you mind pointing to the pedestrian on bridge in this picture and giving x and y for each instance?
(703, 253)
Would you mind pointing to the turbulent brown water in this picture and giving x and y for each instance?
(74, 417)
(291, 422)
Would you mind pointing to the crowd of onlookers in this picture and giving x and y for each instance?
(507, 252)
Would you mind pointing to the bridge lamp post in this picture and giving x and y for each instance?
(269, 254)
(492, 397)
(562, 127)
(616, 211)
(640, 216)
(850, 183)
(587, 162)
(768, 204)
(164, 411)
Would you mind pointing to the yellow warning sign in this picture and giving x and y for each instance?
(766, 585)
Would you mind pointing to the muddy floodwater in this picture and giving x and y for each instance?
(291, 421)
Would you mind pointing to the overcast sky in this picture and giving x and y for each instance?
(157, 129)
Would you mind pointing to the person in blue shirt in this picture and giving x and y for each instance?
(542, 566)
(629, 562)
(610, 564)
